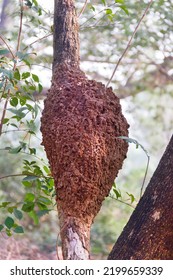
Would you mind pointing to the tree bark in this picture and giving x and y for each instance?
(66, 38)
(149, 232)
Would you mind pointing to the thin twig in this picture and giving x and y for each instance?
(146, 171)
(126, 203)
(83, 8)
(20, 26)
(12, 175)
(40, 39)
(8, 47)
(129, 43)
(4, 111)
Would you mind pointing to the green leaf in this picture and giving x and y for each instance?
(28, 207)
(22, 55)
(9, 222)
(119, 1)
(104, 2)
(29, 197)
(35, 78)
(7, 73)
(8, 232)
(18, 229)
(92, 8)
(35, 217)
(116, 193)
(30, 178)
(18, 113)
(42, 206)
(41, 213)
(35, 2)
(46, 169)
(28, 3)
(4, 204)
(40, 88)
(10, 209)
(32, 151)
(1, 227)
(44, 200)
(25, 75)
(4, 51)
(18, 214)
(108, 11)
(27, 184)
(16, 150)
(22, 100)
(14, 101)
(131, 197)
(124, 8)
(17, 74)
(5, 121)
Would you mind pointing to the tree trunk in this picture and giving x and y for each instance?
(149, 233)
(66, 38)
(80, 124)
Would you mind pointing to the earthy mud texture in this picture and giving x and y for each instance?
(80, 124)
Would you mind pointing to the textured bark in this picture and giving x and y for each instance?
(80, 124)
(66, 38)
(149, 232)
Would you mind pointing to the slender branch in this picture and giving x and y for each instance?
(146, 171)
(40, 39)
(126, 203)
(24, 174)
(83, 24)
(4, 111)
(83, 8)
(20, 26)
(8, 47)
(14, 130)
(12, 175)
(130, 41)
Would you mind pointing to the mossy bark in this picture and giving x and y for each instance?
(80, 124)
(149, 233)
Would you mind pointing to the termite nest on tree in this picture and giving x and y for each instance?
(80, 125)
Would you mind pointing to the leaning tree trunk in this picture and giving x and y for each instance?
(149, 233)
(80, 124)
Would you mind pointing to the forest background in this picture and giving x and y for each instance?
(143, 83)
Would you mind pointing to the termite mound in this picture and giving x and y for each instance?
(80, 124)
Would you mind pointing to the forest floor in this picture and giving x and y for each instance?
(23, 249)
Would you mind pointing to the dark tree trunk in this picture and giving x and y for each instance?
(149, 232)
(80, 124)
(66, 38)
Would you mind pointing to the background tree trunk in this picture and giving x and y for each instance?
(149, 232)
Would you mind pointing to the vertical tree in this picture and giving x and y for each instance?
(81, 122)
(149, 232)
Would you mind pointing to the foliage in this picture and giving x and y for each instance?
(20, 111)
